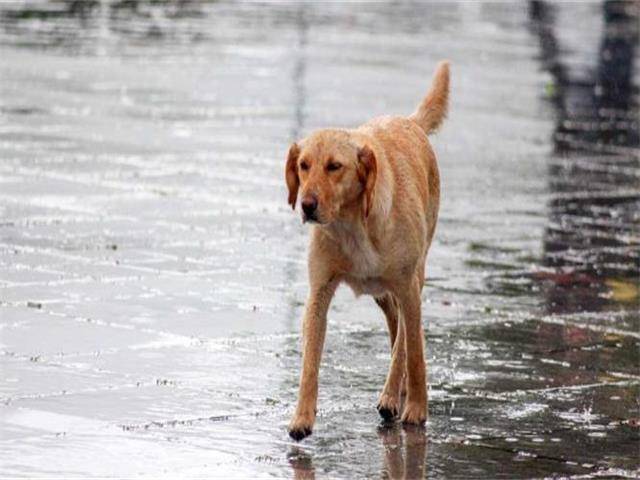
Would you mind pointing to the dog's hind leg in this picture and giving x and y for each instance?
(389, 402)
(390, 308)
(415, 408)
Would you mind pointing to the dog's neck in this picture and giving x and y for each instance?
(358, 236)
(355, 241)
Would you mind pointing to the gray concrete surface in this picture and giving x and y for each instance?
(152, 276)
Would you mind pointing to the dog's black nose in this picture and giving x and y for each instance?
(309, 206)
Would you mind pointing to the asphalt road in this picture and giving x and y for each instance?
(152, 276)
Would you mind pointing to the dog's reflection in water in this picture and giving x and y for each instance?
(302, 464)
(404, 450)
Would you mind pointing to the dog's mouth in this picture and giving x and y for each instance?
(313, 219)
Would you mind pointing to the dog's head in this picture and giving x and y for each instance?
(333, 174)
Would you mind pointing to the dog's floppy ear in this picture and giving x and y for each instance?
(367, 171)
(291, 174)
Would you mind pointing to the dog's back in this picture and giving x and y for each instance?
(412, 165)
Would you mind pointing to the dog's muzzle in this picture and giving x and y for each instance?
(309, 206)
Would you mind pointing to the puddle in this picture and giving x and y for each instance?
(152, 276)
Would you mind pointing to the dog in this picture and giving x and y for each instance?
(372, 196)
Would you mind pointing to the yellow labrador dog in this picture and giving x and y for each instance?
(372, 195)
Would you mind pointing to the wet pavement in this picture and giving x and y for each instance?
(152, 276)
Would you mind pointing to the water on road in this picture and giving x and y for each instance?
(152, 276)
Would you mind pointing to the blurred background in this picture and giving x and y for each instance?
(152, 276)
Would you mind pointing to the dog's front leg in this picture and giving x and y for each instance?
(415, 409)
(313, 333)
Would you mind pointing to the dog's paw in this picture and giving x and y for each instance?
(388, 407)
(301, 426)
(415, 413)
(299, 433)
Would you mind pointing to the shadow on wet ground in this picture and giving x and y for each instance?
(152, 276)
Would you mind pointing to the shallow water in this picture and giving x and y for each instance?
(153, 277)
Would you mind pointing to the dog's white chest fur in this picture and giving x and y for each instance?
(364, 274)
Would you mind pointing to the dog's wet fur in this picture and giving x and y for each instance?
(371, 195)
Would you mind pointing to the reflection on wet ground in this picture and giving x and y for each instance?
(592, 239)
(153, 276)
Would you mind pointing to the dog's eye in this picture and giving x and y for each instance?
(304, 166)
(333, 166)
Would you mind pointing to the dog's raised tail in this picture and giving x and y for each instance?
(433, 109)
